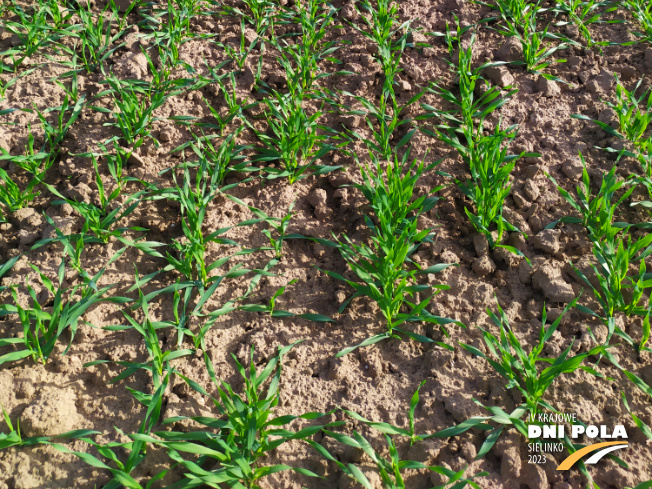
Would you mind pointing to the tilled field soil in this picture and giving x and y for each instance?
(376, 381)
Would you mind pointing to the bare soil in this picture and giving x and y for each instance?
(377, 381)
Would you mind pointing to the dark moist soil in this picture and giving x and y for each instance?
(377, 382)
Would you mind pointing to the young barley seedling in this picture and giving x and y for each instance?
(216, 161)
(33, 31)
(171, 26)
(642, 11)
(122, 457)
(597, 213)
(278, 225)
(54, 134)
(158, 363)
(303, 57)
(508, 358)
(11, 195)
(297, 141)
(240, 53)
(634, 120)
(42, 329)
(99, 220)
(533, 41)
(271, 309)
(135, 101)
(470, 110)
(133, 108)
(96, 44)
(645, 429)
(385, 271)
(383, 121)
(514, 10)
(489, 185)
(232, 447)
(8, 265)
(583, 13)
(235, 107)
(116, 164)
(59, 15)
(618, 289)
(520, 369)
(390, 468)
(261, 14)
(34, 162)
(5, 85)
(14, 438)
(191, 249)
(384, 30)
(37, 162)
(385, 118)
(486, 156)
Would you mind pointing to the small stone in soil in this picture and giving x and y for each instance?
(53, 411)
(549, 280)
(549, 88)
(500, 75)
(481, 244)
(483, 266)
(317, 198)
(547, 241)
(572, 168)
(510, 51)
